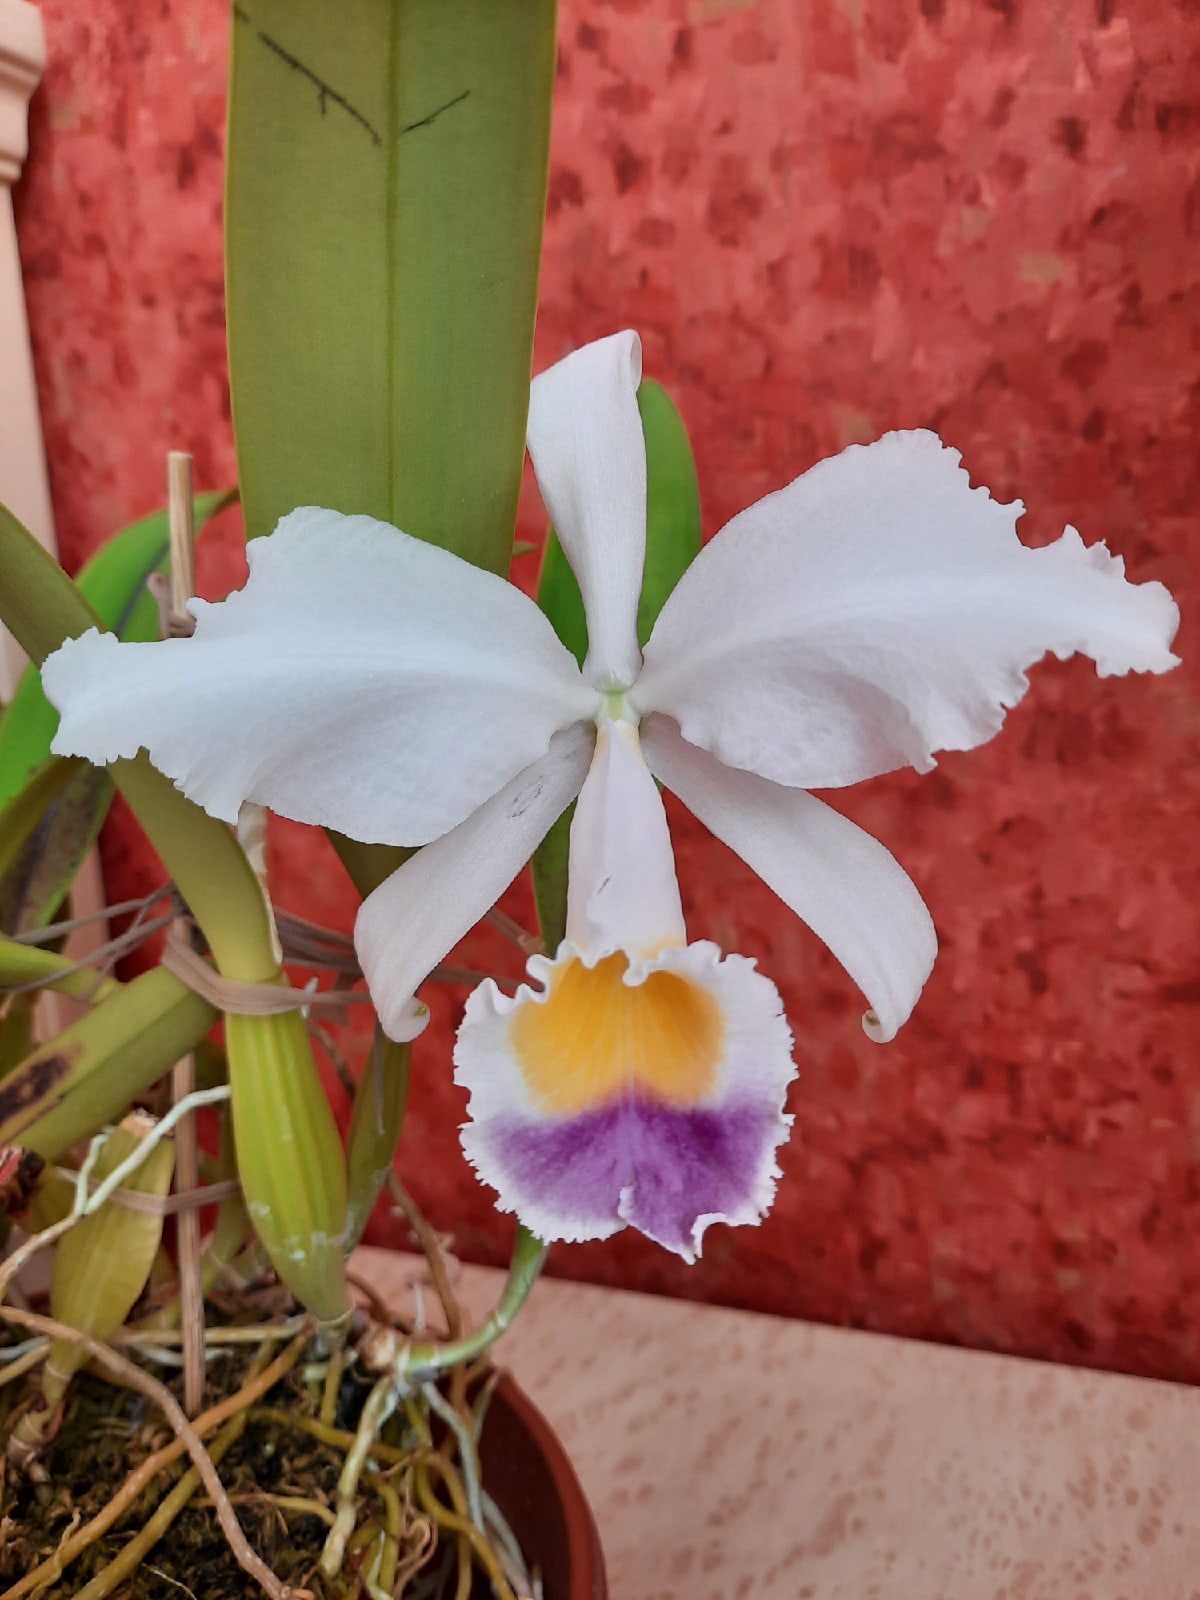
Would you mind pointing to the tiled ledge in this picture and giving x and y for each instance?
(730, 1455)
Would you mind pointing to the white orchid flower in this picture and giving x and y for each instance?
(875, 611)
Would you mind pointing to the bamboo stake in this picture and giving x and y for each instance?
(183, 1076)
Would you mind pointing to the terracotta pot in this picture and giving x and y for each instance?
(527, 1473)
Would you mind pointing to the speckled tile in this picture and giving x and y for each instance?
(729, 1454)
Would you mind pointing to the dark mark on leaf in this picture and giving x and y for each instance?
(325, 91)
(25, 1094)
(434, 115)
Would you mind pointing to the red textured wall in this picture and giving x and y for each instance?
(827, 220)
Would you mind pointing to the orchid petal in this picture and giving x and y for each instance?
(622, 892)
(408, 924)
(850, 891)
(589, 453)
(647, 1094)
(362, 679)
(876, 610)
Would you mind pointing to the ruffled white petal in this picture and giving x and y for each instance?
(589, 453)
(622, 892)
(850, 891)
(877, 610)
(362, 679)
(409, 923)
(667, 1163)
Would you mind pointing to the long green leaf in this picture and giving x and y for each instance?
(39, 604)
(113, 582)
(46, 830)
(28, 963)
(25, 813)
(383, 234)
(89, 1075)
(672, 542)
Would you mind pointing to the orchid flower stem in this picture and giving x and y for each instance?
(417, 1363)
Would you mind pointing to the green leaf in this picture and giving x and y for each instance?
(672, 503)
(25, 813)
(46, 831)
(16, 1031)
(559, 596)
(101, 1265)
(29, 963)
(39, 605)
(550, 881)
(672, 542)
(88, 1076)
(375, 1124)
(114, 583)
(289, 1157)
(386, 190)
(672, 528)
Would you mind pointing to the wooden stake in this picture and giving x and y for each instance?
(182, 520)
(183, 1075)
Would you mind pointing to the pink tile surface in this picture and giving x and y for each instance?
(728, 1454)
(829, 219)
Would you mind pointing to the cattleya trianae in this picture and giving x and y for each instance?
(876, 610)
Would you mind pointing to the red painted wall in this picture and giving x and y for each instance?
(828, 220)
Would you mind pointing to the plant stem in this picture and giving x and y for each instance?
(416, 1363)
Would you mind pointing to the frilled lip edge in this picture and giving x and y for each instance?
(669, 1173)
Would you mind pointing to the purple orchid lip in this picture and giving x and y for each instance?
(638, 1161)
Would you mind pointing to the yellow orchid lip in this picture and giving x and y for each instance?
(596, 1037)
